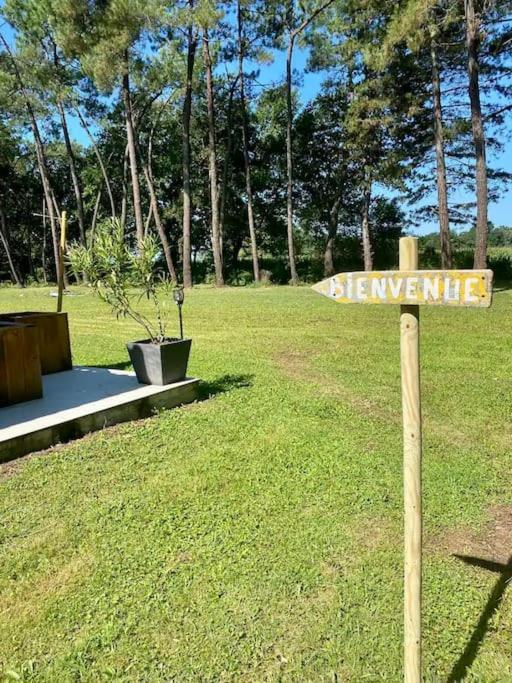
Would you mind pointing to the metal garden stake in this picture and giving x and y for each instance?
(179, 296)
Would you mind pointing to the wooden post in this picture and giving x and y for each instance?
(411, 288)
(62, 249)
(411, 407)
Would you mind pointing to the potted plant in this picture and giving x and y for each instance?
(122, 276)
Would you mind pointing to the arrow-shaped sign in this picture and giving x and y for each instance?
(412, 288)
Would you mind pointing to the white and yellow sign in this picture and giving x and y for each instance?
(416, 287)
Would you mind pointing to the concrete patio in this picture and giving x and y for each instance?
(82, 400)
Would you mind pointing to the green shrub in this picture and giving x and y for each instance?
(113, 269)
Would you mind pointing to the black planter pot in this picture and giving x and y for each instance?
(163, 363)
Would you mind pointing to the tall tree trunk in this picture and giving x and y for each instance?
(293, 33)
(130, 136)
(149, 216)
(473, 43)
(365, 225)
(442, 191)
(154, 210)
(124, 199)
(29, 251)
(187, 113)
(95, 217)
(159, 226)
(226, 170)
(294, 278)
(245, 142)
(74, 175)
(41, 158)
(212, 156)
(100, 162)
(51, 202)
(4, 238)
(331, 237)
(71, 157)
(43, 247)
(51, 215)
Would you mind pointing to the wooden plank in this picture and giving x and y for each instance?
(32, 363)
(64, 344)
(54, 343)
(14, 347)
(4, 396)
(20, 368)
(411, 416)
(411, 287)
(54, 350)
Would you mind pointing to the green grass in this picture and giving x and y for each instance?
(257, 535)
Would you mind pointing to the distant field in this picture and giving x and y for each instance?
(257, 535)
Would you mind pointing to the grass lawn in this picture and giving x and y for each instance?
(257, 535)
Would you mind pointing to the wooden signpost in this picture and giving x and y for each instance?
(411, 288)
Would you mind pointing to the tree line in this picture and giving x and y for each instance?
(158, 115)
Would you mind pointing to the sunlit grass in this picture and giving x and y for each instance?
(257, 535)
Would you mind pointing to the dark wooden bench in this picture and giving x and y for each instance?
(20, 365)
(53, 333)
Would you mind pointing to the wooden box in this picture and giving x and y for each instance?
(20, 366)
(53, 331)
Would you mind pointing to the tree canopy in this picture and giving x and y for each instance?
(188, 121)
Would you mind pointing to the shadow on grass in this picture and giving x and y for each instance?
(224, 384)
(220, 385)
(463, 664)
